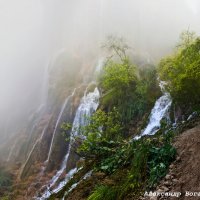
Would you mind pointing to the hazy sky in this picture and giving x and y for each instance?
(32, 31)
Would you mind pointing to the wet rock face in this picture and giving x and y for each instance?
(61, 142)
(33, 143)
(40, 147)
(64, 74)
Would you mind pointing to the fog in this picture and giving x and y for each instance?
(33, 31)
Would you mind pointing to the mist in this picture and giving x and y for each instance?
(33, 32)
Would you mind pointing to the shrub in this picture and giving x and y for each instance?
(103, 192)
(159, 161)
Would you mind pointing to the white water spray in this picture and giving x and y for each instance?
(87, 175)
(68, 177)
(158, 112)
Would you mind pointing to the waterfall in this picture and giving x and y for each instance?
(87, 175)
(68, 177)
(58, 122)
(99, 65)
(88, 105)
(158, 112)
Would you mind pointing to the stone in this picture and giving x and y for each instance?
(173, 174)
(175, 180)
(178, 159)
(160, 191)
(165, 188)
(171, 166)
(168, 177)
(167, 183)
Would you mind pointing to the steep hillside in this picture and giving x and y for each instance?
(123, 159)
(184, 173)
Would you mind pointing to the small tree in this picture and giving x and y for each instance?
(116, 46)
(102, 130)
(122, 85)
(186, 38)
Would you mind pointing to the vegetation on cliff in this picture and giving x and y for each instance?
(129, 88)
(128, 93)
(181, 71)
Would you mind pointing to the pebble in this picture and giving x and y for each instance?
(175, 180)
(171, 166)
(165, 189)
(178, 159)
(160, 191)
(167, 183)
(173, 174)
(168, 177)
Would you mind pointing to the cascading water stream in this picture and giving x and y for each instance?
(158, 112)
(87, 175)
(58, 122)
(68, 177)
(88, 105)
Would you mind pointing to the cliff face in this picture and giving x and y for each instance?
(41, 144)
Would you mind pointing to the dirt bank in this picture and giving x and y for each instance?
(184, 173)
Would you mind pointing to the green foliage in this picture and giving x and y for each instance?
(119, 77)
(118, 82)
(100, 133)
(159, 161)
(182, 72)
(114, 157)
(135, 179)
(103, 192)
(147, 160)
(130, 89)
(104, 141)
(66, 127)
(151, 159)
